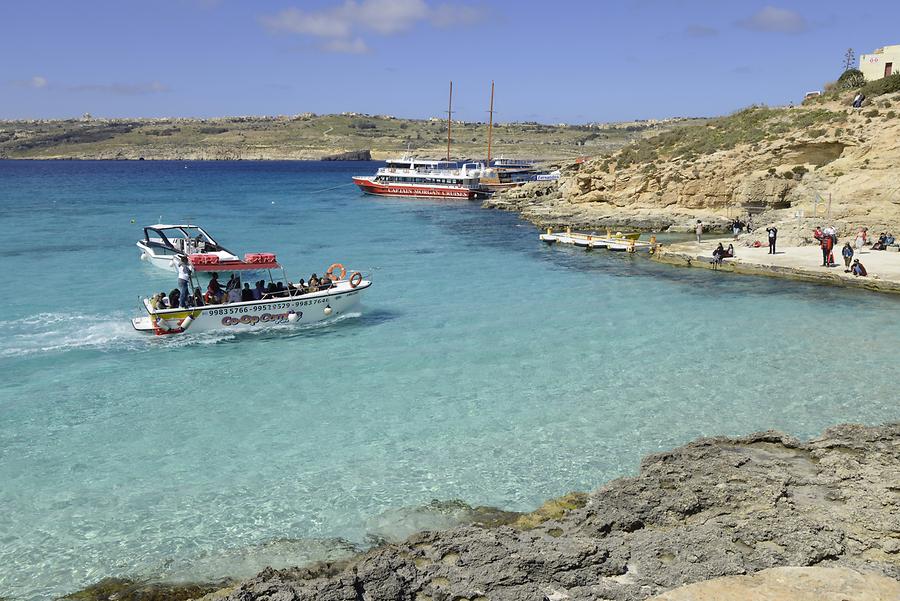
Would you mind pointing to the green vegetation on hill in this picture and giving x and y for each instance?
(749, 126)
(304, 136)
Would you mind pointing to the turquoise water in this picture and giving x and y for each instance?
(483, 366)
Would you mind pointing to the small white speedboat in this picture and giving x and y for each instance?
(288, 304)
(163, 242)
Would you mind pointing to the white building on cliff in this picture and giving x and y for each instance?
(881, 63)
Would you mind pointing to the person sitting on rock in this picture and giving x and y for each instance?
(858, 268)
(729, 252)
(717, 255)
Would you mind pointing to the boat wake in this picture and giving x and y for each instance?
(48, 333)
(54, 332)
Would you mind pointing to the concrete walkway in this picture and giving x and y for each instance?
(798, 262)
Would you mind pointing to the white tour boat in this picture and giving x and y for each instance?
(424, 178)
(163, 242)
(286, 305)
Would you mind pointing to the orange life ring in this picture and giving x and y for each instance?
(355, 279)
(330, 272)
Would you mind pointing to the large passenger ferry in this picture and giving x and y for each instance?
(424, 178)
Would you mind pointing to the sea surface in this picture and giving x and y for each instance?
(482, 366)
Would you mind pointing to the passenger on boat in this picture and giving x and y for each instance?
(301, 286)
(214, 291)
(259, 290)
(246, 293)
(234, 295)
(184, 276)
(325, 282)
(313, 283)
(279, 289)
(198, 298)
(158, 300)
(233, 282)
(174, 299)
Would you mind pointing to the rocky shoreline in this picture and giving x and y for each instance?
(716, 507)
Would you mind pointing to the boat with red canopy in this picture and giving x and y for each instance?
(280, 302)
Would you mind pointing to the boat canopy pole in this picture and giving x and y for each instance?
(449, 119)
(490, 124)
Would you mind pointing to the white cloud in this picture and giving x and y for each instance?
(37, 82)
(339, 27)
(450, 15)
(294, 20)
(121, 89)
(780, 20)
(345, 46)
(700, 31)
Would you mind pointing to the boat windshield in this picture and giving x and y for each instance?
(185, 238)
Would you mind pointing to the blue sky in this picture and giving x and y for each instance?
(565, 61)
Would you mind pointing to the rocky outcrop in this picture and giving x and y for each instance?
(350, 155)
(715, 507)
(827, 162)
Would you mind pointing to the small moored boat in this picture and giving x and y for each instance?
(163, 242)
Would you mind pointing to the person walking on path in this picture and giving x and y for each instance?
(773, 236)
(184, 276)
(847, 252)
(699, 230)
(860, 240)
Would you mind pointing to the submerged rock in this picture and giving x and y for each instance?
(123, 589)
(715, 507)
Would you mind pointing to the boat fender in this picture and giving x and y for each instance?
(162, 324)
(293, 317)
(186, 323)
(328, 309)
(355, 279)
(144, 257)
(330, 272)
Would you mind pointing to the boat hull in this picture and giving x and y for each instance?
(369, 186)
(253, 315)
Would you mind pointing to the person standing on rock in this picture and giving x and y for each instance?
(699, 230)
(847, 252)
(773, 236)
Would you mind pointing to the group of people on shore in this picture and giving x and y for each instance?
(827, 238)
(233, 291)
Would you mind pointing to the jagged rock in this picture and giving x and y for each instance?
(350, 155)
(715, 507)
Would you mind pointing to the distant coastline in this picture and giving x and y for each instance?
(306, 137)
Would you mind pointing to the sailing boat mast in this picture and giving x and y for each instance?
(449, 119)
(490, 124)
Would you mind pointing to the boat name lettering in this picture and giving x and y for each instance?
(252, 320)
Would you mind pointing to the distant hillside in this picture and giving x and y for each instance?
(305, 136)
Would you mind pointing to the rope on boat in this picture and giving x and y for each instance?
(332, 188)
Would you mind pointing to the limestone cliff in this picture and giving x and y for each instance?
(715, 507)
(825, 159)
